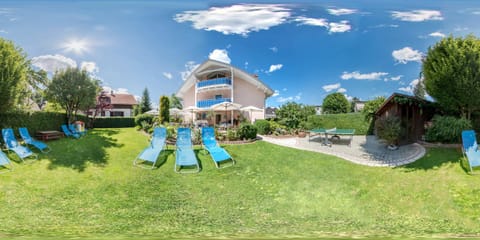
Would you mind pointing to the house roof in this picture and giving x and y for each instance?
(382, 108)
(122, 99)
(212, 66)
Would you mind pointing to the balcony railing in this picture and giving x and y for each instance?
(209, 102)
(217, 81)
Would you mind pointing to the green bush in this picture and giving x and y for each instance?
(143, 118)
(389, 129)
(447, 129)
(247, 131)
(232, 135)
(263, 126)
(277, 128)
(35, 121)
(114, 122)
(346, 120)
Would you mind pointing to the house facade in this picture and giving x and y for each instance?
(215, 82)
(115, 105)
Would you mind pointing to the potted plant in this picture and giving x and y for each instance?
(301, 130)
(389, 129)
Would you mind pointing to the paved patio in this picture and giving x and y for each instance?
(365, 150)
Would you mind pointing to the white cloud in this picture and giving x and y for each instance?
(246, 65)
(410, 87)
(274, 49)
(385, 26)
(276, 93)
(341, 11)
(341, 26)
(437, 34)
(363, 76)
(121, 90)
(396, 78)
(275, 67)
(417, 15)
(407, 54)
(349, 98)
(220, 55)
(53, 63)
(319, 22)
(190, 66)
(237, 19)
(342, 90)
(90, 67)
(284, 89)
(290, 99)
(331, 87)
(167, 75)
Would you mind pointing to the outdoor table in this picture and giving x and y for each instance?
(48, 135)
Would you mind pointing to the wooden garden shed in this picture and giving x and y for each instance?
(415, 114)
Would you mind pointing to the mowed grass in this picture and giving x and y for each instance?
(89, 188)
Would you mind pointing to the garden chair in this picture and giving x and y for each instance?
(74, 130)
(217, 153)
(470, 148)
(4, 161)
(184, 156)
(151, 153)
(68, 133)
(12, 144)
(30, 141)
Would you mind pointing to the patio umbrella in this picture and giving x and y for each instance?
(191, 109)
(251, 109)
(175, 111)
(226, 106)
(152, 112)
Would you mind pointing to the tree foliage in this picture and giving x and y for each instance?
(371, 107)
(451, 71)
(164, 114)
(73, 90)
(14, 68)
(145, 103)
(292, 114)
(175, 102)
(335, 103)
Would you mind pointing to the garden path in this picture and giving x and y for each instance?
(365, 150)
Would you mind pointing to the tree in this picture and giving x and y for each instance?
(371, 107)
(451, 72)
(145, 104)
(14, 68)
(335, 103)
(292, 114)
(102, 103)
(175, 102)
(73, 90)
(164, 113)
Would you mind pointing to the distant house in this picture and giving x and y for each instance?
(318, 109)
(414, 113)
(270, 112)
(358, 105)
(119, 105)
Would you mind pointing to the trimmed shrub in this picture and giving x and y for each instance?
(232, 135)
(263, 126)
(346, 120)
(35, 121)
(114, 122)
(447, 129)
(247, 131)
(277, 128)
(389, 129)
(143, 118)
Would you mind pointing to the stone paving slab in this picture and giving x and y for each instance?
(364, 150)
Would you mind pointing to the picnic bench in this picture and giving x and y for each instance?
(48, 135)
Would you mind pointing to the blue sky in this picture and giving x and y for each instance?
(302, 50)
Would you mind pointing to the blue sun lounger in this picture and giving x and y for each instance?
(68, 133)
(74, 130)
(470, 148)
(210, 144)
(30, 141)
(12, 145)
(151, 153)
(4, 162)
(184, 155)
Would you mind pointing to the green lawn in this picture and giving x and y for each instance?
(88, 187)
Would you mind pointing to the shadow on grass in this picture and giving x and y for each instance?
(77, 153)
(435, 159)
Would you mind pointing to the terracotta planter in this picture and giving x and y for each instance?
(302, 134)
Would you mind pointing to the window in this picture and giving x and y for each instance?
(116, 114)
(219, 96)
(216, 75)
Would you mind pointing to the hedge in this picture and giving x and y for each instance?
(38, 121)
(343, 120)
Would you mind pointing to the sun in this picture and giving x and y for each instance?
(76, 46)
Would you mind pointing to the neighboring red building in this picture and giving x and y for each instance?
(120, 105)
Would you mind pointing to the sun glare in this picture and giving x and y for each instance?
(76, 46)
